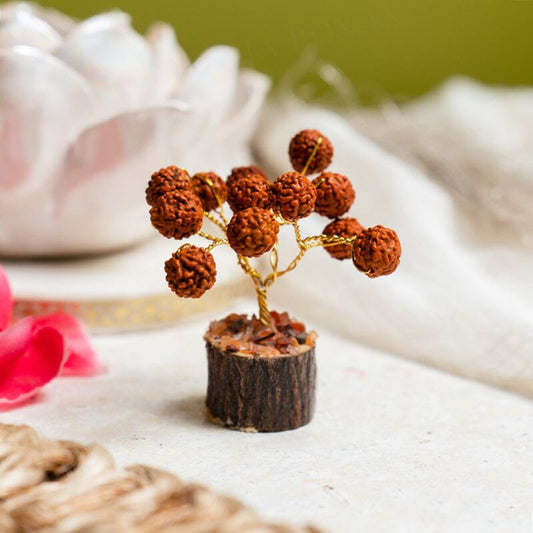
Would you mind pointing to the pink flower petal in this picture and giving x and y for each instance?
(19, 403)
(6, 300)
(82, 359)
(30, 357)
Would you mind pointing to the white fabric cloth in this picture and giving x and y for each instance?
(393, 447)
(462, 297)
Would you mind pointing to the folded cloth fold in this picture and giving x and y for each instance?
(459, 299)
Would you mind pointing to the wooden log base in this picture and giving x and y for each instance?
(260, 393)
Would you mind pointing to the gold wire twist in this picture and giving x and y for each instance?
(297, 233)
(274, 261)
(327, 240)
(313, 153)
(264, 313)
(215, 220)
(214, 244)
(260, 289)
(248, 269)
(319, 182)
(304, 245)
(271, 278)
(207, 236)
(220, 212)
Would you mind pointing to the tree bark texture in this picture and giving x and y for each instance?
(260, 393)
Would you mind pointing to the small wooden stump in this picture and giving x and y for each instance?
(258, 393)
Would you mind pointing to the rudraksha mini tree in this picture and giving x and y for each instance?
(262, 370)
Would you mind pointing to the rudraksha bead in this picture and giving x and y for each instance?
(346, 228)
(177, 214)
(242, 172)
(210, 188)
(249, 191)
(165, 180)
(252, 232)
(293, 196)
(334, 194)
(302, 146)
(377, 251)
(190, 271)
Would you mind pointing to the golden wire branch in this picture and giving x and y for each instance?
(220, 212)
(261, 283)
(327, 240)
(304, 245)
(260, 289)
(215, 221)
(208, 236)
(313, 153)
(215, 243)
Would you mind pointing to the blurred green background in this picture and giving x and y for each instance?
(394, 48)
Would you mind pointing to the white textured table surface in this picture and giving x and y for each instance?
(394, 446)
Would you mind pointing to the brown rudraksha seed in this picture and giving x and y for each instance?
(191, 271)
(165, 180)
(252, 232)
(377, 251)
(177, 214)
(210, 188)
(249, 191)
(293, 196)
(301, 148)
(346, 228)
(242, 172)
(334, 194)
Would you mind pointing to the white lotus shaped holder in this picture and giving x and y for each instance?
(89, 110)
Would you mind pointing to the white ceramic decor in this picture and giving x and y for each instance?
(89, 110)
